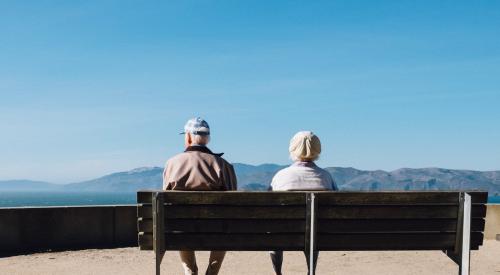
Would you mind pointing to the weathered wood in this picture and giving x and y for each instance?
(228, 212)
(391, 241)
(325, 212)
(158, 228)
(396, 198)
(227, 198)
(145, 240)
(328, 242)
(144, 196)
(324, 198)
(227, 226)
(229, 242)
(297, 226)
(393, 225)
(395, 212)
(260, 221)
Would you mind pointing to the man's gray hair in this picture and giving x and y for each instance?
(200, 139)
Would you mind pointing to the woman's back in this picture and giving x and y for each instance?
(302, 175)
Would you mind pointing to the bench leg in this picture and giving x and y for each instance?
(158, 259)
(158, 229)
(461, 254)
(310, 244)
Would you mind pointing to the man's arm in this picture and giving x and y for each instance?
(334, 184)
(166, 184)
(230, 180)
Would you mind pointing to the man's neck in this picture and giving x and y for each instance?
(201, 148)
(194, 144)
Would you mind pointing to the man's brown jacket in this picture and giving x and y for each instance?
(198, 169)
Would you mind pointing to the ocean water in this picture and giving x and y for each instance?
(18, 199)
(494, 200)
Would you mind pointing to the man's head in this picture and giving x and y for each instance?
(196, 132)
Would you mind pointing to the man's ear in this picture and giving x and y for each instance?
(189, 139)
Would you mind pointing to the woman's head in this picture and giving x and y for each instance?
(305, 146)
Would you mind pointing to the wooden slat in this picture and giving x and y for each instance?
(228, 212)
(336, 198)
(141, 211)
(233, 242)
(227, 226)
(397, 198)
(227, 198)
(387, 212)
(144, 196)
(393, 225)
(326, 242)
(297, 212)
(324, 226)
(417, 241)
(145, 240)
(395, 212)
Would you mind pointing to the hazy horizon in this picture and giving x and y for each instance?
(284, 165)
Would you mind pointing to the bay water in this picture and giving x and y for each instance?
(20, 199)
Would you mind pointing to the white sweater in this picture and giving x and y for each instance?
(303, 176)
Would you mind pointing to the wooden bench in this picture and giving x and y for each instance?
(312, 221)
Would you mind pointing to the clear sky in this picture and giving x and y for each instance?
(93, 87)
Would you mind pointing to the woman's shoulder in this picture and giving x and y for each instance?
(285, 172)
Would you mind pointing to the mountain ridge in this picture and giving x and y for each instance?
(258, 177)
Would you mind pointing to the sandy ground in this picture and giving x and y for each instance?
(132, 261)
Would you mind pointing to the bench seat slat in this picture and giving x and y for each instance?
(234, 242)
(324, 198)
(324, 226)
(221, 198)
(392, 241)
(298, 212)
(227, 226)
(395, 212)
(394, 225)
(396, 198)
(227, 212)
(326, 242)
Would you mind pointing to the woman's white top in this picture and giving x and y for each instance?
(303, 176)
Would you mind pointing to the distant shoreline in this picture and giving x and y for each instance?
(74, 198)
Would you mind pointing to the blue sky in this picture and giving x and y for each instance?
(94, 87)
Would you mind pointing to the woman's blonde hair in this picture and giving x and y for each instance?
(304, 146)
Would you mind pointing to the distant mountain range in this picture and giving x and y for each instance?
(252, 177)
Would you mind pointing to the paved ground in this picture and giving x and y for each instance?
(132, 261)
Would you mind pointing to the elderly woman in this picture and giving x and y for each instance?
(303, 174)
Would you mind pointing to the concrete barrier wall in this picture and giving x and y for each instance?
(24, 230)
(492, 228)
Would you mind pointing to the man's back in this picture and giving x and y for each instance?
(198, 169)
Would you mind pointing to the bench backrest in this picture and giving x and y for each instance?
(282, 220)
(395, 220)
(226, 220)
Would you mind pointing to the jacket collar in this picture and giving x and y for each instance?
(304, 163)
(202, 149)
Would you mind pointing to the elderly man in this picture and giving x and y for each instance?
(198, 169)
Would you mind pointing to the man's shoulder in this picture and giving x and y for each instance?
(179, 158)
(194, 155)
(224, 161)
